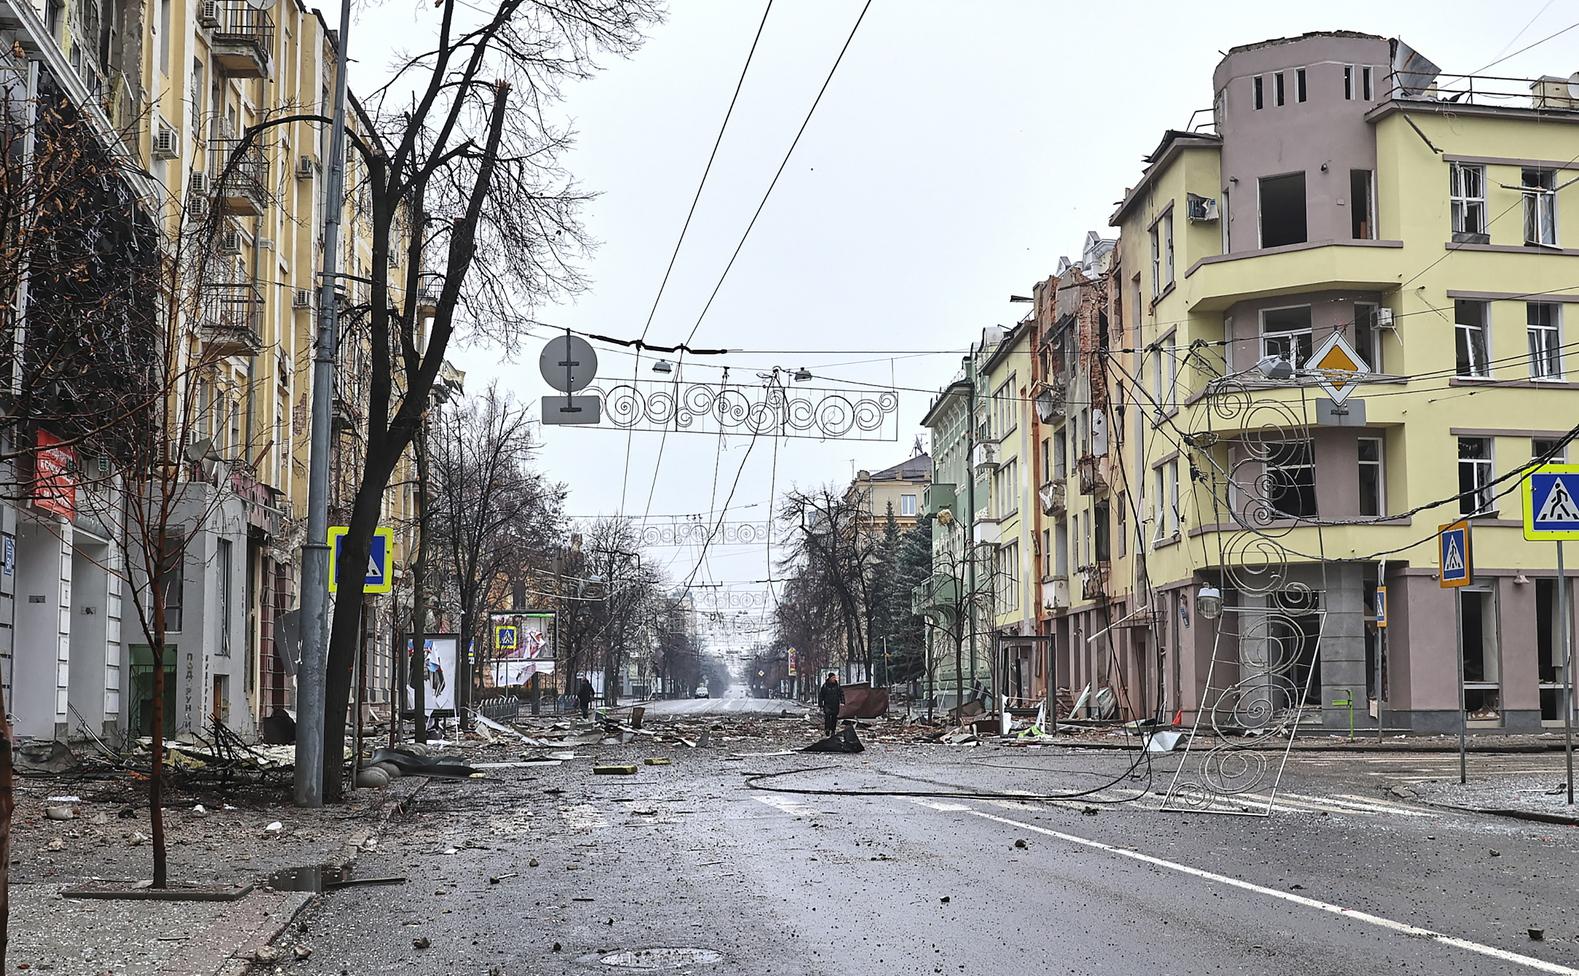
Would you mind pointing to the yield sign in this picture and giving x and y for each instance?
(1551, 503)
(1338, 367)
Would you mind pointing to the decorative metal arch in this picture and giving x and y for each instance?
(713, 408)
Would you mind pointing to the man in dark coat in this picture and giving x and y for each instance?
(584, 695)
(830, 697)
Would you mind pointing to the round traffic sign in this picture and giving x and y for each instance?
(568, 363)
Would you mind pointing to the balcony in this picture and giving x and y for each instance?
(1089, 470)
(1050, 404)
(1053, 497)
(985, 457)
(241, 37)
(1055, 594)
(940, 592)
(1094, 582)
(1214, 283)
(243, 191)
(937, 497)
(232, 318)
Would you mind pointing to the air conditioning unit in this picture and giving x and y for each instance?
(197, 184)
(1197, 207)
(394, 258)
(230, 241)
(167, 141)
(302, 298)
(306, 166)
(208, 14)
(1384, 319)
(1055, 594)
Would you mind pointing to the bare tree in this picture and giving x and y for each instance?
(832, 543)
(461, 151)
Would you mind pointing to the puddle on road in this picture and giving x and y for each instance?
(311, 878)
(660, 958)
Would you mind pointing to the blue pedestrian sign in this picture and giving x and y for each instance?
(1453, 557)
(380, 576)
(1551, 503)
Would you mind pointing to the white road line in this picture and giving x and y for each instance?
(783, 805)
(1391, 805)
(1540, 965)
(1356, 804)
(1291, 802)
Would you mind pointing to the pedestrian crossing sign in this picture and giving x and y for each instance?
(1551, 503)
(1453, 555)
(506, 637)
(380, 576)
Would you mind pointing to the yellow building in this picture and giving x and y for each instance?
(1423, 225)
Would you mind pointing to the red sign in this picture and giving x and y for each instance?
(54, 480)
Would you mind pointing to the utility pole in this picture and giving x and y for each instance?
(970, 524)
(315, 551)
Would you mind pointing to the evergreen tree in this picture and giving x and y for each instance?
(912, 567)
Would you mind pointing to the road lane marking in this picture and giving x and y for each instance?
(1402, 928)
(1346, 803)
(941, 807)
(1390, 805)
(788, 806)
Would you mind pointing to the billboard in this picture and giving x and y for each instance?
(523, 645)
(438, 674)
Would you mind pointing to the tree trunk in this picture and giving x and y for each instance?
(417, 660)
(7, 807)
(156, 750)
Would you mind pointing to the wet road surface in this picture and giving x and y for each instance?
(557, 871)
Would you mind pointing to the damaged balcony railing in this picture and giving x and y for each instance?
(232, 317)
(242, 36)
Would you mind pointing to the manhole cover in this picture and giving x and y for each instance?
(663, 958)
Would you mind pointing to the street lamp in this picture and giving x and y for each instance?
(1208, 602)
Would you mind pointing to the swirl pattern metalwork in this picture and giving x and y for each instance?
(695, 533)
(1266, 650)
(714, 599)
(706, 408)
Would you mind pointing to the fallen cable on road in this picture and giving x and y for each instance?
(758, 781)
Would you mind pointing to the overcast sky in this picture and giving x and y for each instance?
(960, 150)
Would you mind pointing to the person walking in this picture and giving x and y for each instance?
(831, 698)
(584, 695)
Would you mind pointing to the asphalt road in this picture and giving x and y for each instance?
(729, 704)
(558, 871)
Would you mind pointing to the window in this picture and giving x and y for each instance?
(1258, 88)
(1368, 336)
(1170, 364)
(1135, 315)
(1047, 553)
(1123, 524)
(1047, 460)
(1006, 489)
(1162, 254)
(1299, 84)
(1159, 495)
(1547, 450)
(1003, 412)
(1373, 491)
(1103, 517)
(1282, 209)
(197, 96)
(222, 565)
(1291, 479)
(1009, 575)
(1468, 196)
(1277, 87)
(1348, 81)
(164, 36)
(1286, 333)
(172, 579)
(1540, 207)
(1061, 549)
(1546, 355)
(1060, 457)
(1362, 216)
(1173, 498)
(1365, 83)
(1470, 337)
(907, 504)
(1156, 379)
(1474, 475)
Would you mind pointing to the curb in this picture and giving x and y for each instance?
(237, 965)
(1356, 747)
(1530, 816)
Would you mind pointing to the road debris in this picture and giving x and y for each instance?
(616, 769)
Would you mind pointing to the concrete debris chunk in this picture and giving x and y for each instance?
(656, 761)
(60, 812)
(619, 769)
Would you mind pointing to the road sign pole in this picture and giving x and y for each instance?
(1568, 669)
(1463, 720)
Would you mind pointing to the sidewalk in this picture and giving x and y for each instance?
(1541, 797)
(225, 844)
(1319, 740)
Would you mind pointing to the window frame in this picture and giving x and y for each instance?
(1461, 202)
(1368, 335)
(1274, 467)
(1369, 219)
(1468, 332)
(1301, 92)
(1348, 82)
(1308, 332)
(1379, 464)
(1540, 203)
(1481, 476)
(908, 504)
(1258, 92)
(1550, 334)
(1279, 89)
(1367, 88)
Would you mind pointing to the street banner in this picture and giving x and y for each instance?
(438, 674)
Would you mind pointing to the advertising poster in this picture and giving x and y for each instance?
(523, 645)
(438, 675)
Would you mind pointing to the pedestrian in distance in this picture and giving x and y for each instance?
(831, 698)
(584, 696)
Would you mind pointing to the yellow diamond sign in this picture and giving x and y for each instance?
(1337, 367)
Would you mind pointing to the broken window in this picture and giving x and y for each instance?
(1467, 189)
(1258, 87)
(1362, 218)
(1546, 356)
(1540, 207)
(1282, 209)
(1469, 329)
(1286, 333)
(1474, 475)
(1549, 652)
(1482, 671)
(1291, 479)
(1546, 450)
(1277, 88)
(1365, 83)
(1373, 490)
(1368, 335)
(1348, 81)
(1102, 517)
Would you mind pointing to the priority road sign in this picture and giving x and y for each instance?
(1551, 503)
(380, 577)
(1453, 554)
(1338, 366)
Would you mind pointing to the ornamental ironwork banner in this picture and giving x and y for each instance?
(716, 408)
(695, 533)
(713, 599)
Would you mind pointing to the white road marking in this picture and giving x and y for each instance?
(1348, 804)
(784, 805)
(1402, 928)
(1391, 805)
(941, 807)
